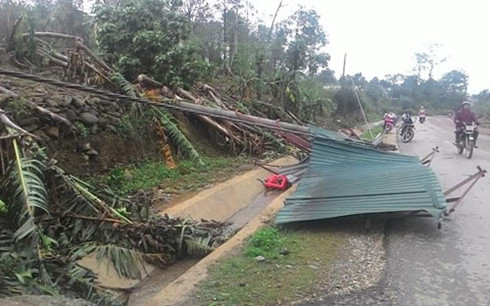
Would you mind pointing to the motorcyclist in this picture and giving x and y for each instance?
(407, 118)
(422, 114)
(465, 117)
(388, 120)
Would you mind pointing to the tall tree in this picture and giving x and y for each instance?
(428, 60)
(152, 37)
(305, 37)
(302, 37)
(455, 84)
(196, 11)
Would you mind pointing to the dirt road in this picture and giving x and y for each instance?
(426, 266)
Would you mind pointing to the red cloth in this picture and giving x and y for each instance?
(466, 116)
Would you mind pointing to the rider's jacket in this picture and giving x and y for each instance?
(465, 116)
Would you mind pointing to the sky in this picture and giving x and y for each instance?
(381, 37)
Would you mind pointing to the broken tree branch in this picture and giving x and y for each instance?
(53, 116)
(8, 92)
(7, 122)
(38, 108)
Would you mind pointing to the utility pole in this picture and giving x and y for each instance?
(345, 60)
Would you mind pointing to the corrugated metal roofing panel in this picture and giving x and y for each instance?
(348, 178)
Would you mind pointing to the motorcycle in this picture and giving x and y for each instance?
(450, 114)
(466, 140)
(388, 124)
(407, 131)
(422, 118)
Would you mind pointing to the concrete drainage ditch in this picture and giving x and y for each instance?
(242, 201)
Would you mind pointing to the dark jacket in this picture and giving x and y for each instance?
(466, 116)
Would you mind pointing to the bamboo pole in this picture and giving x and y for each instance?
(235, 116)
(52, 35)
(94, 57)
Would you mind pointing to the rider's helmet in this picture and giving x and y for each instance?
(422, 107)
(465, 103)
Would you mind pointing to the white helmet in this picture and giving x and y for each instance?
(465, 102)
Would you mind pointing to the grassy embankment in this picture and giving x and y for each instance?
(186, 176)
(378, 129)
(295, 261)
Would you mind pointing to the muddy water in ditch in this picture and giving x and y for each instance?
(159, 279)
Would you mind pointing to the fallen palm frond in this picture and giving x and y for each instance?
(127, 262)
(50, 220)
(124, 86)
(82, 220)
(24, 193)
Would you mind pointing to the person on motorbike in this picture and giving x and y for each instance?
(407, 118)
(422, 114)
(465, 117)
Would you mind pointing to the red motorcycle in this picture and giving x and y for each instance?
(389, 123)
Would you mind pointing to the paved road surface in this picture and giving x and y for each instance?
(451, 266)
(426, 266)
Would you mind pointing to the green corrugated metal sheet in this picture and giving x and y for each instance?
(348, 178)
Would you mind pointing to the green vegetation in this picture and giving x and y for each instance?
(187, 176)
(482, 105)
(180, 43)
(281, 278)
(18, 108)
(155, 41)
(83, 219)
(264, 243)
(375, 131)
(82, 129)
(3, 208)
